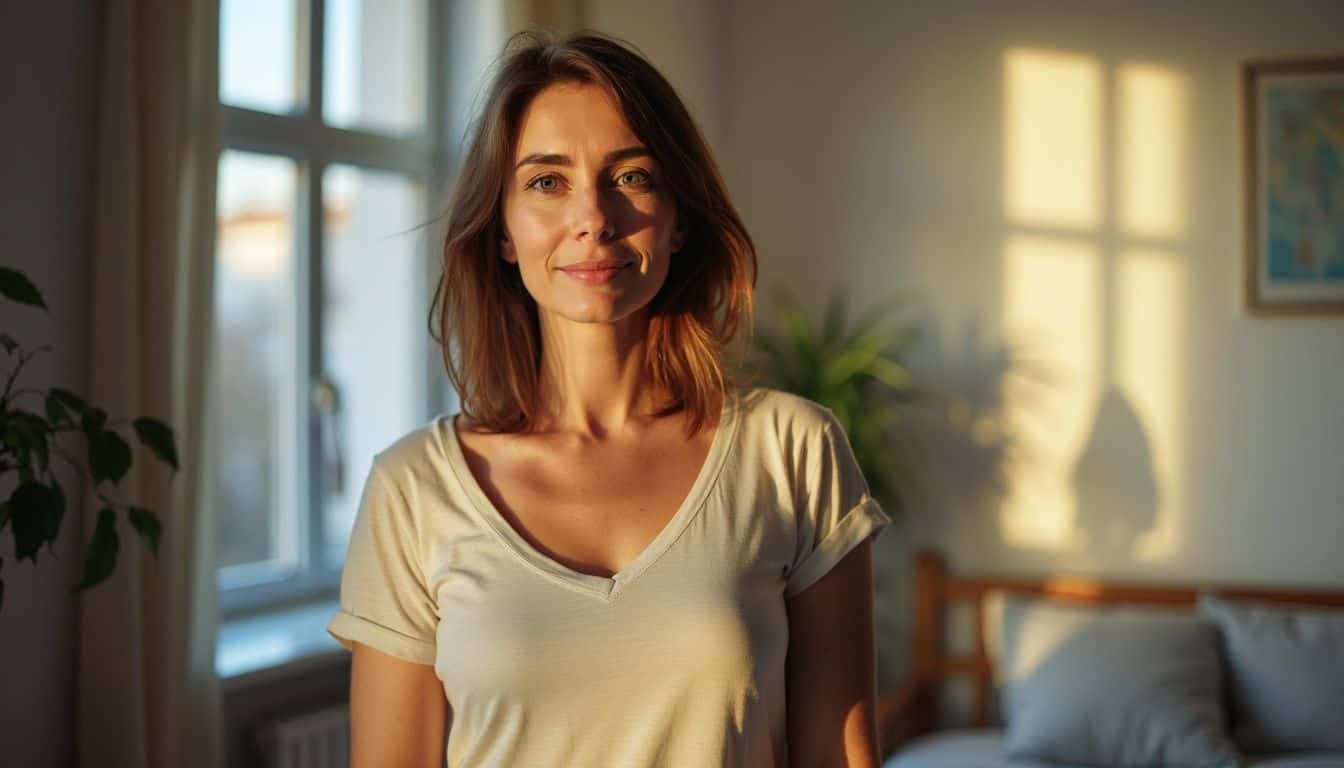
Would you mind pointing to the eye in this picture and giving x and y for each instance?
(641, 178)
(536, 183)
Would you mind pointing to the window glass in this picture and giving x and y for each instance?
(375, 347)
(256, 365)
(257, 55)
(375, 65)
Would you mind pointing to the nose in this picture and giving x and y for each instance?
(592, 216)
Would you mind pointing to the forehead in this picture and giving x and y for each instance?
(573, 116)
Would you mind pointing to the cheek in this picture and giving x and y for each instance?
(535, 233)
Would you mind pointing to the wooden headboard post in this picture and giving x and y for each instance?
(927, 633)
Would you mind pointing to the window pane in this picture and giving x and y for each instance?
(374, 340)
(257, 54)
(375, 65)
(256, 362)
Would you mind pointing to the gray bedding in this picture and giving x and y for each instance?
(983, 748)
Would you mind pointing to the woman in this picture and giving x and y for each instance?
(614, 555)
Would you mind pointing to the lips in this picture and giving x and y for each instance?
(594, 266)
(596, 272)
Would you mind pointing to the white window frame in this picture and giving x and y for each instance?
(313, 146)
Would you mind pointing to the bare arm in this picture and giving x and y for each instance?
(831, 668)
(397, 712)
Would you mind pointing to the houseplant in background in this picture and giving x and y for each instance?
(857, 369)
(34, 511)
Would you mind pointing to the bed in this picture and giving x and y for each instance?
(912, 733)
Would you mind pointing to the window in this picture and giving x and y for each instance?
(332, 146)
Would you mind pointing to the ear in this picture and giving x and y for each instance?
(678, 238)
(506, 250)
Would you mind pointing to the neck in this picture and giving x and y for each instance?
(594, 381)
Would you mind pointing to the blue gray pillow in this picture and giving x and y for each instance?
(1113, 686)
(1286, 673)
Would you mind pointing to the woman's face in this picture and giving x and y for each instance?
(586, 216)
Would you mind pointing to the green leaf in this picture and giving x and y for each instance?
(28, 431)
(102, 554)
(32, 507)
(57, 413)
(834, 324)
(852, 361)
(92, 421)
(159, 437)
(109, 456)
(148, 525)
(54, 519)
(8, 342)
(17, 287)
(891, 374)
(68, 399)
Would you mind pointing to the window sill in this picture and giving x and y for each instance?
(254, 645)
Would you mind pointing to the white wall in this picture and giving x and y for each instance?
(1059, 180)
(47, 83)
(688, 42)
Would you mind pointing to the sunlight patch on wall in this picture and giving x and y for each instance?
(1149, 369)
(1052, 296)
(1096, 207)
(1152, 175)
(1052, 140)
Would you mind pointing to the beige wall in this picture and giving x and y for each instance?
(1057, 180)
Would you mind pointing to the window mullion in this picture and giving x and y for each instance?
(314, 37)
(316, 477)
(289, 135)
(436, 177)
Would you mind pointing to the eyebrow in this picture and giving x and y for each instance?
(619, 154)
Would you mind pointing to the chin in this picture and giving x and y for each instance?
(607, 309)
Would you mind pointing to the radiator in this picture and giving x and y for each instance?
(319, 739)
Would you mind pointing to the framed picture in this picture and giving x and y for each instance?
(1294, 149)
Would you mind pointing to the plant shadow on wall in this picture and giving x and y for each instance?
(998, 424)
(971, 449)
(28, 440)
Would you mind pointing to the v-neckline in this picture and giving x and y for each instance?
(607, 587)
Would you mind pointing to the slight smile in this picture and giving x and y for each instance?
(595, 272)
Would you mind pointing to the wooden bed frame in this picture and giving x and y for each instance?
(908, 711)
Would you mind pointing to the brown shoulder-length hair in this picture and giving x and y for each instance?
(481, 307)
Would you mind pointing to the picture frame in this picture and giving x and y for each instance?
(1293, 137)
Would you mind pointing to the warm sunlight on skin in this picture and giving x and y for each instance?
(583, 189)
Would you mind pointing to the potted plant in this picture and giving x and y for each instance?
(29, 439)
(857, 370)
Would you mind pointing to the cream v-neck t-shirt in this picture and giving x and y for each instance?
(677, 660)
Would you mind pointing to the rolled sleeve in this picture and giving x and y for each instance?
(385, 602)
(836, 511)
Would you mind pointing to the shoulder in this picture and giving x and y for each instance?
(415, 456)
(784, 414)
